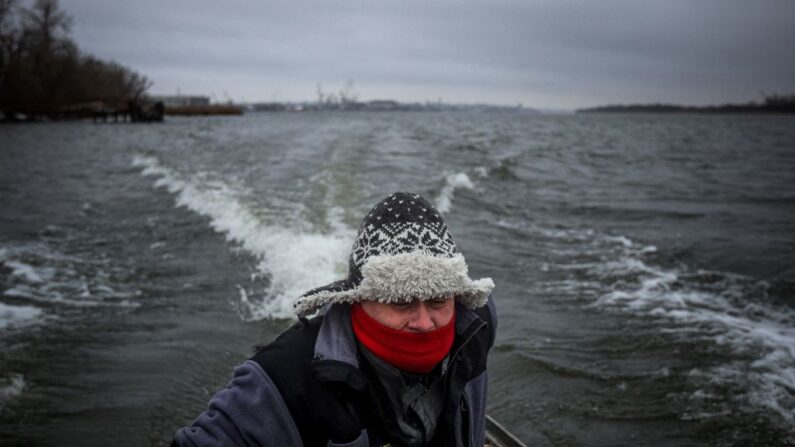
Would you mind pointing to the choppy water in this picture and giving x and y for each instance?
(645, 265)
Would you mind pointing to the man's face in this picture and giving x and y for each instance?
(415, 316)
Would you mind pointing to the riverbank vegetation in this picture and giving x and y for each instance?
(43, 74)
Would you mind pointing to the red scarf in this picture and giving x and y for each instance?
(416, 352)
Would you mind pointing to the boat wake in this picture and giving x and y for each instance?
(292, 258)
(732, 316)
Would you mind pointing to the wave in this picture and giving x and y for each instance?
(292, 260)
(11, 387)
(444, 201)
(17, 316)
(500, 170)
(732, 315)
(42, 278)
(728, 311)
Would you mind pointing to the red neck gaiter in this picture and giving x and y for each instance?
(416, 352)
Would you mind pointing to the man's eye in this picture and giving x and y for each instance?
(402, 305)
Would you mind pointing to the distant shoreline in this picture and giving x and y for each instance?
(772, 105)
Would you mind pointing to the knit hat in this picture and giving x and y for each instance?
(402, 252)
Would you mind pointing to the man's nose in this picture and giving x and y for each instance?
(421, 321)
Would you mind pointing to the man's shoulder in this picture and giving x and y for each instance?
(293, 347)
(289, 361)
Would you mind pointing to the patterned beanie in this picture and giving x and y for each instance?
(402, 252)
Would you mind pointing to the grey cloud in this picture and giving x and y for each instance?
(581, 52)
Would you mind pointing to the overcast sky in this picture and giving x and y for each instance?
(545, 54)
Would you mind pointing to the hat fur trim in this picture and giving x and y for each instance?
(403, 278)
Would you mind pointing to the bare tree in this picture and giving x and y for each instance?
(47, 23)
(9, 34)
(42, 71)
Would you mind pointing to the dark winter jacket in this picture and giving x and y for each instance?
(307, 389)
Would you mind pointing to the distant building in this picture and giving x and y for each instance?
(382, 104)
(182, 100)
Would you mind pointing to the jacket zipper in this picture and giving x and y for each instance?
(466, 341)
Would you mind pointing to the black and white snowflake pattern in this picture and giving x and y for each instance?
(401, 223)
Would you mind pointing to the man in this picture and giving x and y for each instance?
(397, 356)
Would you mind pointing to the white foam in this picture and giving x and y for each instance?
(48, 277)
(619, 239)
(587, 235)
(10, 387)
(444, 201)
(294, 259)
(726, 314)
(729, 312)
(25, 271)
(16, 316)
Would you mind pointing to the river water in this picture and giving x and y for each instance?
(645, 264)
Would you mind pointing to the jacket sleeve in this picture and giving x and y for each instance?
(250, 411)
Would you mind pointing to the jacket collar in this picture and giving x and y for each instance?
(336, 340)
